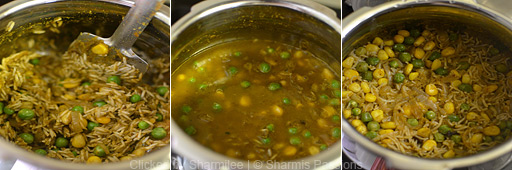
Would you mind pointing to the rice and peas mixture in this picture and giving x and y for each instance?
(74, 108)
(432, 93)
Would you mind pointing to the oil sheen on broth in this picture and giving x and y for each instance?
(258, 100)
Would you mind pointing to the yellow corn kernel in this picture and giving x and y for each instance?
(455, 73)
(36, 80)
(125, 158)
(348, 62)
(355, 87)
(429, 145)
(378, 73)
(404, 33)
(93, 160)
(382, 55)
(100, 49)
(471, 116)
(388, 125)
(408, 69)
(436, 64)
(181, 77)
(385, 131)
(425, 33)
(357, 122)
(419, 41)
(429, 46)
(370, 97)
(413, 75)
(377, 115)
(476, 138)
(78, 141)
(103, 120)
(289, 151)
(389, 51)
(351, 74)
(377, 41)
(492, 130)
(428, 63)
(346, 93)
(389, 43)
(432, 98)
(419, 53)
(466, 78)
(449, 107)
(431, 89)
(407, 109)
(485, 117)
(456, 83)
(245, 101)
(477, 87)
(362, 129)
(448, 51)
(372, 48)
(399, 39)
(382, 81)
(491, 88)
(423, 132)
(449, 154)
(139, 152)
(365, 87)
(347, 113)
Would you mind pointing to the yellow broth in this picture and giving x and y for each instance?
(213, 104)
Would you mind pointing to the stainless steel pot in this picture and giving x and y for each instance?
(37, 19)
(299, 23)
(489, 18)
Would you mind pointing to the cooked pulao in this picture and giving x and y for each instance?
(76, 108)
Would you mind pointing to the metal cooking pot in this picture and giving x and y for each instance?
(489, 18)
(299, 23)
(38, 19)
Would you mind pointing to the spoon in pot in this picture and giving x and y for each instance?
(120, 43)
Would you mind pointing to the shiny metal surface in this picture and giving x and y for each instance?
(299, 23)
(81, 15)
(490, 23)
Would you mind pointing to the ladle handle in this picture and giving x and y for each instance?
(137, 18)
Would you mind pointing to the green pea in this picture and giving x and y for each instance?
(159, 133)
(270, 50)
(135, 98)
(162, 90)
(399, 47)
(417, 63)
(143, 125)
(336, 132)
(368, 76)
(27, 137)
(270, 127)
(203, 86)
(463, 65)
(453, 118)
(26, 114)
(184, 118)
(464, 106)
(323, 147)
(114, 79)
(430, 115)
(335, 84)
(502, 68)
(292, 131)
(284, 55)
(1, 107)
(186, 109)
(362, 67)
(494, 51)
(371, 134)
(74, 153)
(366, 117)
(373, 126)
(412, 122)
(444, 129)
(99, 151)
(99, 103)
(264, 67)
(352, 103)
(274, 86)
(41, 152)
(509, 124)
(438, 137)
(92, 125)
(373, 61)
(498, 138)
(191, 130)
(409, 40)
(360, 51)
(502, 125)
(201, 69)
(86, 83)
(405, 57)
(415, 33)
(295, 140)
(34, 61)
(78, 109)
(435, 55)
(61, 142)
(453, 36)
(307, 134)
(245, 84)
(487, 139)
(456, 138)
(466, 87)
(238, 53)
(335, 118)
(192, 80)
(287, 101)
(356, 111)
(337, 93)
(324, 97)
(265, 141)
(334, 102)
(393, 64)
(8, 111)
(232, 71)
(441, 71)
(398, 78)
(216, 106)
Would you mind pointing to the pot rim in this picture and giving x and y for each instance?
(351, 22)
(10, 150)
